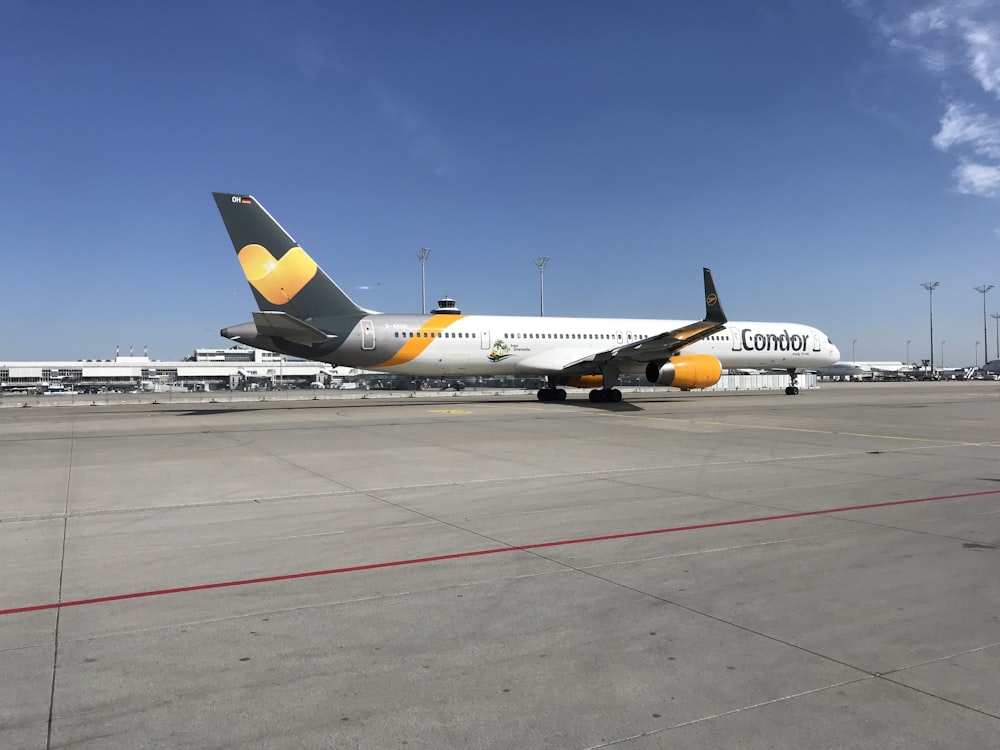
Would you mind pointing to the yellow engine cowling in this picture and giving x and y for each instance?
(685, 371)
(586, 381)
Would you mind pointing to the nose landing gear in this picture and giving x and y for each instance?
(793, 389)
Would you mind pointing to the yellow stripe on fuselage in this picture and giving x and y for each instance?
(422, 338)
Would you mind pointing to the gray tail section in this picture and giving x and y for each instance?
(713, 307)
(282, 275)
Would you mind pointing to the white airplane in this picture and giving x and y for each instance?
(305, 314)
(866, 370)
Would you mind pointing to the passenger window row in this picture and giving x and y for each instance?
(601, 336)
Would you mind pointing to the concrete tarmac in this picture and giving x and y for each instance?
(686, 570)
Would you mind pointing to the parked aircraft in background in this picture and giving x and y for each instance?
(865, 370)
(305, 314)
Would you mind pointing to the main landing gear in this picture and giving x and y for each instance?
(793, 389)
(551, 391)
(551, 394)
(605, 396)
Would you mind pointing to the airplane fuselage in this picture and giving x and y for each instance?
(483, 345)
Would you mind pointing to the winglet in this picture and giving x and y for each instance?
(713, 307)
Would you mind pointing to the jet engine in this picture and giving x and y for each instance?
(685, 371)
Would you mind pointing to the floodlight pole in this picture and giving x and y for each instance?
(996, 317)
(422, 254)
(930, 286)
(541, 262)
(854, 357)
(908, 352)
(983, 290)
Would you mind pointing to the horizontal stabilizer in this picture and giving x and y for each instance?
(282, 325)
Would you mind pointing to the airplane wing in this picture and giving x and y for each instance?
(666, 344)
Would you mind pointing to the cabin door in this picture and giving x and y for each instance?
(367, 335)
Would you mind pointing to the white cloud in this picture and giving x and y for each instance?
(963, 125)
(929, 19)
(978, 179)
(929, 33)
(959, 42)
(983, 41)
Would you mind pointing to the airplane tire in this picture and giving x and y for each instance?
(551, 394)
(605, 395)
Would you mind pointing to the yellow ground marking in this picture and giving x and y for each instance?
(450, 411)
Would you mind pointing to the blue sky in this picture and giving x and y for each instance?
(824, 159)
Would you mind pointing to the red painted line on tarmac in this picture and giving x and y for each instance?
(478, 553)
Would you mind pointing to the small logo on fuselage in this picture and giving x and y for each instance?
(500, 351)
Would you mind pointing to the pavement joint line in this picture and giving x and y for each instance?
(917, 665)
(570, 475)
(59, 593)
(561, 570)
(730, 712)
(406, 525)
(733, 548)
(347, 489)
(890, 527)
(929, 694)
(868, 676)
(809, 430)
(719, 619)
(887, 677)
(784, 509)
(558, 569)
(479, 553)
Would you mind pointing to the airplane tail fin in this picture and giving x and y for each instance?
(283, 277)
(713, 308)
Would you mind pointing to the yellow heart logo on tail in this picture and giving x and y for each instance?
(277, 280)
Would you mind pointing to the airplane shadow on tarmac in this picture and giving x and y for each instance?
(213, 410)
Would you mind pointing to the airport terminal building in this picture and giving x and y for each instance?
(234, 368)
